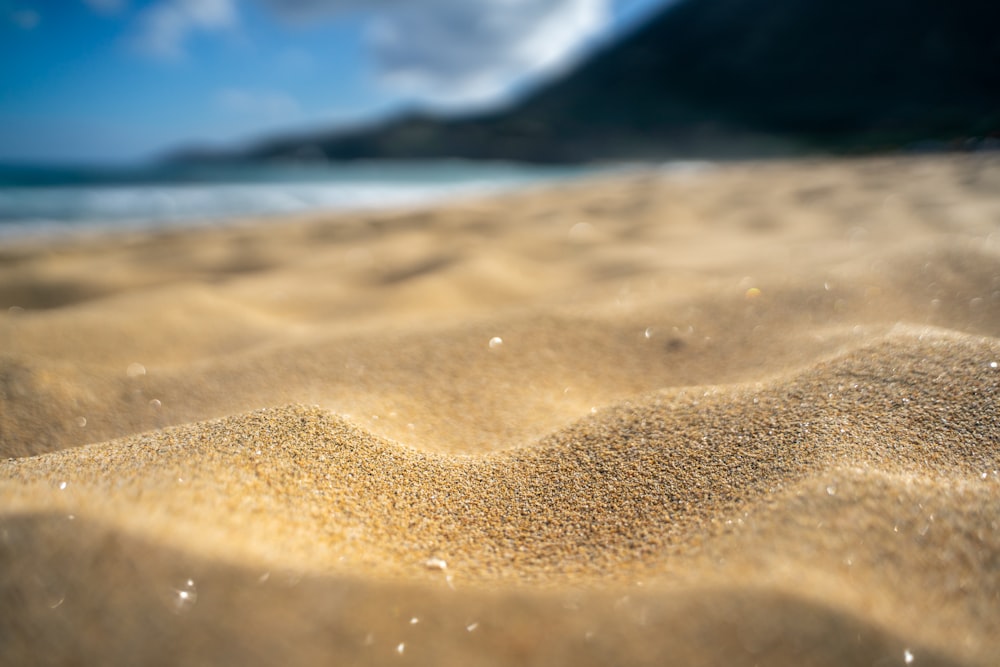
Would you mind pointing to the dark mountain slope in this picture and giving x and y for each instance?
(812, 66)
(732, 77)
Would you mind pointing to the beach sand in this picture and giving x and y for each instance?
(734, 414)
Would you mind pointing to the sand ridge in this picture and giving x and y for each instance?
(745, 414)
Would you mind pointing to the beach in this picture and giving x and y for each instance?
(735, 413)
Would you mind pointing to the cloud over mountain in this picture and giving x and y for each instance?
(164, 27)
(456, 51)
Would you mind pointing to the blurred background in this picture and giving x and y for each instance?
(124, 80)
(187, 95)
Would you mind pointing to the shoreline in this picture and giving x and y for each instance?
(190, 197)
(597, 174)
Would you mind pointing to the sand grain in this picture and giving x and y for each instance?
(742, 415)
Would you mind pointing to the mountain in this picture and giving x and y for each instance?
(730, 77)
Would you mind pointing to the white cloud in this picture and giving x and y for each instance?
(257, 102)
(165, 26)
(313, 9)
(295, 60)
(25, 19)
(464, 51)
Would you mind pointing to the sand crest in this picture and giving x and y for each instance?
(740, 414)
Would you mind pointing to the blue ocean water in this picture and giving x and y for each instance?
(46, 200)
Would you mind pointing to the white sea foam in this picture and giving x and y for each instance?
(161, 197)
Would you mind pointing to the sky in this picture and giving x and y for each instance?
(106, 81)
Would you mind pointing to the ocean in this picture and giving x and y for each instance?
(50, 200)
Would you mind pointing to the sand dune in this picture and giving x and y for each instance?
(744, 414)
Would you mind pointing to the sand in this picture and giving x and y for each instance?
(731, 414)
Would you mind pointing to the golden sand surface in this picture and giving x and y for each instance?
(740, 414)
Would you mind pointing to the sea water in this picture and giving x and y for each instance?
(47, 200)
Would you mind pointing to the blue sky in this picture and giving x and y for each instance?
(123, 80)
